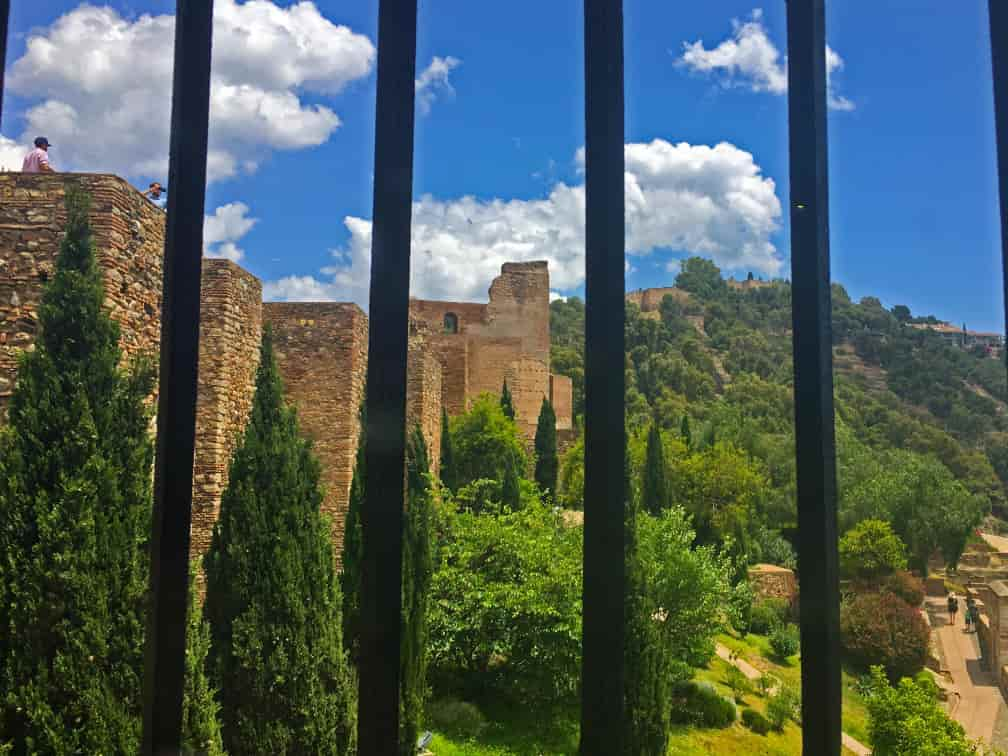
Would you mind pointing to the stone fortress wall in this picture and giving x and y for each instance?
(321, 347)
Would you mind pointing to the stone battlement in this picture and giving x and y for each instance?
(456, 350)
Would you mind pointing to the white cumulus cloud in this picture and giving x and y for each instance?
(11, 154)
(749, 58)
(223, 229)
(433, 81)
(699, 199)
(99, 85)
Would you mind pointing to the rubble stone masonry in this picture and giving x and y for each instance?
(129, 237)
(230, 334)
(321, 348)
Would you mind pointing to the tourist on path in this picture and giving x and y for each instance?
(953, 608)
(37, 161)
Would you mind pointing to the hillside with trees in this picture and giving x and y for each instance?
(920, 421)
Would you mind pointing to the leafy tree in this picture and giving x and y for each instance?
(447, 454)
(908, 720)
(75, 515)
(871, 549)
(571, 494)
(723, 490)
(901, 313)
(547, 462)
(507, 406)
(879, 628)
(505, 607)
(273, 599)
(485, 441)
(418, 569)
(654, 483)
(352, 560)
(701, 277)
(689, 584)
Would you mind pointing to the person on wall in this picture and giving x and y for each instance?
(37, 161)
(156, 194)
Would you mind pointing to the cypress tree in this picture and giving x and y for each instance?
(447, 454)
(273, 600)
(506, 404)
(654, 486)
(684, 432)
(75, 515)
(547, 464)
(648, 674)
(510, 487)
(200, 726)
(353, 547)
(418, 569)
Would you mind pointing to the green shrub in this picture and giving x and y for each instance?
(767, 615)
(699, 704)
(785, 641)
(755, 721)
(740, 605)
(738, 682)
(871, 549)
(766, 683)
(783, 705)
(459, 718)
(880, 628)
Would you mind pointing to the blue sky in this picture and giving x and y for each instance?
(913, 185)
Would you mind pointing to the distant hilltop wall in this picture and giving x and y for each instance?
(321, 347)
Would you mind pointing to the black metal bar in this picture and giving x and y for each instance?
(176, 421)
(4, 20)
(382, 516)
(605, 494)
(999, 63)
(813, 368)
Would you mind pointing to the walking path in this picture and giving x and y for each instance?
(980, 702)
(752, 673)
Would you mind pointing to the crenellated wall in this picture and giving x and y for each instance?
(320, 347)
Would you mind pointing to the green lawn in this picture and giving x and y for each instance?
(521, 732)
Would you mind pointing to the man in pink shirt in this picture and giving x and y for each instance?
(37, 161)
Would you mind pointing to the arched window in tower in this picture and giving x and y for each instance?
(451, 322)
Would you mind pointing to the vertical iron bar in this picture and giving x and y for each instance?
(382, 516)
(813, 380)
(176, 420)
(4, 19)
(999, 63)
(604, 587)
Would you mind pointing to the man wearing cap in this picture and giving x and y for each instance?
(37, 161)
